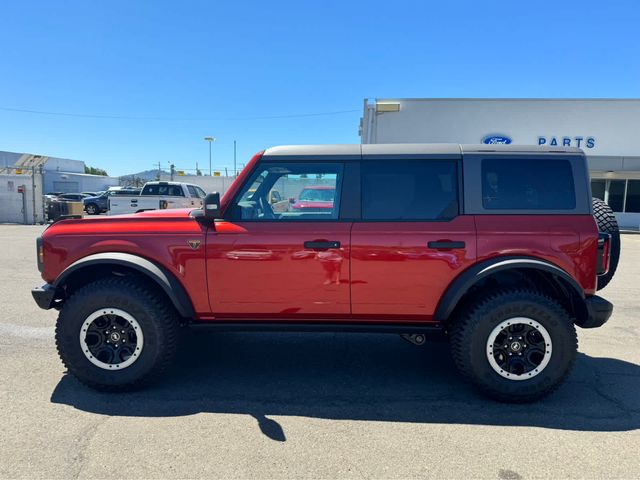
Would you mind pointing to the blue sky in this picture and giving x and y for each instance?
(159, 75)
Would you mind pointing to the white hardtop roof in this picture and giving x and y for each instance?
(347, 150)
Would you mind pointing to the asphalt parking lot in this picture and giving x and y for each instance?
(310, 405)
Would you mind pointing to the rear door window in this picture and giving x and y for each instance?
(409, 190)
(527, 184)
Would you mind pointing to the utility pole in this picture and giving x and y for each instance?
(210, 140)
(159, 172)
(235, 171)
(173, 170)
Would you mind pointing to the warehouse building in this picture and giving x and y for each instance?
(25, 178)
(606, 129)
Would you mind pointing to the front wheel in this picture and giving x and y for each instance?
(515, 345)
(116, 334)
(92, 209)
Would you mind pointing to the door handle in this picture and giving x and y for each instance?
(321, 244)
(445, 244)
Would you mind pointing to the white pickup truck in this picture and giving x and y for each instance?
(158, 195)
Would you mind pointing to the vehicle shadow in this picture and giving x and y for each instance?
(356, 377)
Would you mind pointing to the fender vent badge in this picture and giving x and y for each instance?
(194, 244)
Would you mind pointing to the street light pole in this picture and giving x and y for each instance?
(210, 140)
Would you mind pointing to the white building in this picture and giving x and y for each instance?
(608, 130)
(24, 178)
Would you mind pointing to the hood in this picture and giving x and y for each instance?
(133, 222)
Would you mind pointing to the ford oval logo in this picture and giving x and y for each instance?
(496, 140)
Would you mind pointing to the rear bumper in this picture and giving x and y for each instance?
(44, 296)
(598, 312)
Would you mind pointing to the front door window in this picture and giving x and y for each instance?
(290, 192)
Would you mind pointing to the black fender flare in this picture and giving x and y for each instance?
(160, 275)
(467, 279)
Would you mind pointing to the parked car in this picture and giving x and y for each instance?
(315, 198)
(495, 249)
(100, 203)
(72, 197)
(91, 194)
(157, 195)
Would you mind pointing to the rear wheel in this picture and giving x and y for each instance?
(116, 334)
(515, 345)
(607, 223)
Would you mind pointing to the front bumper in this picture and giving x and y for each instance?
(44, 296)
(598, 312)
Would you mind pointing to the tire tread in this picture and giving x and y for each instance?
(607, 223)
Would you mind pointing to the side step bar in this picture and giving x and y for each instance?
(315, 326)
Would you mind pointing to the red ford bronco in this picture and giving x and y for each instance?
(493, 247)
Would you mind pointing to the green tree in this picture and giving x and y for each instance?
(95, 171)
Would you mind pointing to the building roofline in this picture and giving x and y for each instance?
(508, 99)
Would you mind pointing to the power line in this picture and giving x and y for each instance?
(136, 117)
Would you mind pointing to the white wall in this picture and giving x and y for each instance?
(54, 164)
(69, 182)
(11, 202)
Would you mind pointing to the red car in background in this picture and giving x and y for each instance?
(315, 198)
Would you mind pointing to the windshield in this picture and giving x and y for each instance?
(317, 195)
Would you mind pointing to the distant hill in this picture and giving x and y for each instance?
(140, 178)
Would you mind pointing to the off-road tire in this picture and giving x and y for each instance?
(607, 223)
(471, 329)
(156, 316)
(92, 209)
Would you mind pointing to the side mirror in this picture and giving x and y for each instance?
(211, 206)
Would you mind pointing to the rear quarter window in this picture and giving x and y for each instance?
(527, 184)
